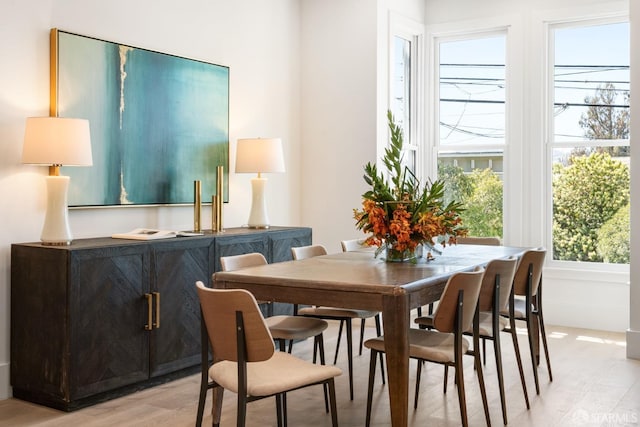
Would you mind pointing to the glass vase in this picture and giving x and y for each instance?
(392, 254)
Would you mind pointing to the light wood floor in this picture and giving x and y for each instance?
(594, 384)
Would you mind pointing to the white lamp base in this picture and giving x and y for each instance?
(258, 217)
(56, 231)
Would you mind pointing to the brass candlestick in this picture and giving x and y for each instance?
(217, 200)
(214, 213)
(197, 205)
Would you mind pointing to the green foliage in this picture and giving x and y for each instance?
(404, 184)
(481, 193)
(459, 186)
(613, 238)
(398, 211)
(602, 120)
(586, 194)
(484, 207)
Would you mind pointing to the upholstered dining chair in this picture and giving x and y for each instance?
(468, 240)
(344, 315)
(283, 328)
(352, 245)
(494, 297)
(527, 306)
(456, 313)
(479, 240)
(475, 240)
(244, 358)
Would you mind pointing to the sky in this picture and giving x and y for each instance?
(475, 72)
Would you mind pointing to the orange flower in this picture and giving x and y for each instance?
(398, 211)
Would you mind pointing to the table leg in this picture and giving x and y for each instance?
(395, 318)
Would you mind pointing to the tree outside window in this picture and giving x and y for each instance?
(471, 115)
(590, 144)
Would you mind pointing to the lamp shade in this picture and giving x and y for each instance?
(259, 155)
(57, 141)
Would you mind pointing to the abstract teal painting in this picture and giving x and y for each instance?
(158, 121)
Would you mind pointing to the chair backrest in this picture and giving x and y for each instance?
(219, 307)
(445, 314)
(303, 252)
(236, 262)
(471, 240)
(352, 245)
(506, 268)
(534, 257)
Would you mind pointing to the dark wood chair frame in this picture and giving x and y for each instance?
(459, 369)
(497, 348)
(535, 321)
(349, 325)
(348, 320)
(243, 399)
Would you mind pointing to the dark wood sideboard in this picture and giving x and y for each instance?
(105, 317)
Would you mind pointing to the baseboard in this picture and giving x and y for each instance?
(633, 344)
(5, 387)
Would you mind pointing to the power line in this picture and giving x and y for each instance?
(473, 78)
(572, 104)
(501, 86)
(623, 82)
(557, 104)
(619, 67)
(472, 101)
(469, 132)
(611, 66)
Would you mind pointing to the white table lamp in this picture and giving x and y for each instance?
(259, 155)
(56, 141)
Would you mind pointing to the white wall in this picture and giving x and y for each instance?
(338, 109)
(576, 295)
(258, 40)
(344, 103)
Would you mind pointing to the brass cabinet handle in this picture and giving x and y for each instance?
(149, 325)
(157, 324)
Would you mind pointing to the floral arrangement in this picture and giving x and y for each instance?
(401, 215)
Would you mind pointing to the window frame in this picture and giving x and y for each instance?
(436, 40)
(550, 144)
(414, 32)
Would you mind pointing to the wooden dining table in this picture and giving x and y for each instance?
(359, 280)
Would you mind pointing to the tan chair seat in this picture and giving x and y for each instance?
(336, 312)
(486, 326)
(519, 309)
(485, 323)
(265, 378)
(246, 362)
(454, 314)
(428, 345)
(344, 315)
(295, 327)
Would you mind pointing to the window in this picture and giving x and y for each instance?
(405, 100)
(471, 137)
(588, 145)
(401, 97)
